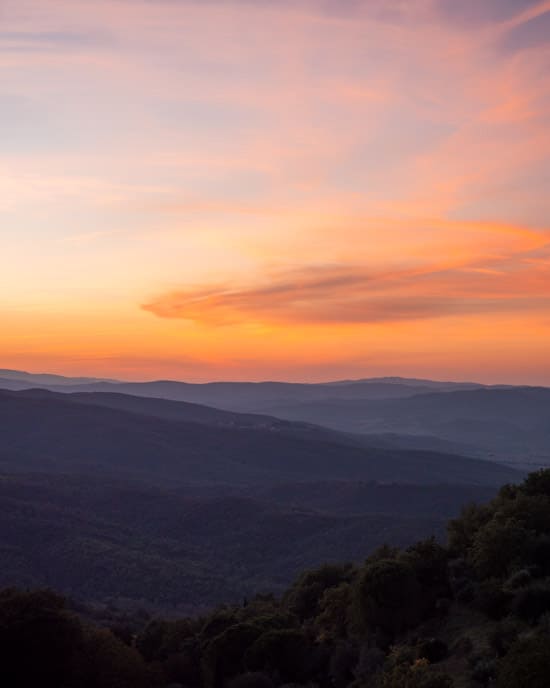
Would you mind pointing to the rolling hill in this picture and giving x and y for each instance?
(104, 540)
(55, 433)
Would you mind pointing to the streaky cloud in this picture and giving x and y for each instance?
(348, 294)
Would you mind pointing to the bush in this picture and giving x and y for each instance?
(531, 603)
(415, 675)
(503, 636)
(223, 657)
(484, 669)
(537, 483)
(518, 579)
(106, 661)
(462, 647)
(433, 649)
(284, 653)
(304, 596)
(463, 529)
(342, 663)
(251, 679)
(527, 665)
(491, 599)
(388, 596)
(498, 546)
(40, 642)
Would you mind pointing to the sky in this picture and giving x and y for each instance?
(276, 189)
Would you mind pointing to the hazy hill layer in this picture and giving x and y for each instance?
(503, 423)
(53, 433)
(238, 396)
(511, 422)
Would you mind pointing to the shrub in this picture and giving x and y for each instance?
(39, 641)
(304, 596)
(432, 649)
(388, 596)
(518, 579)
(462, 646)
(251, 679)
(484, 669)
(537, 483)
(491, 599)
(281, 652)
(530, 603)
(527, 665)
(503, 636)
(498, 546)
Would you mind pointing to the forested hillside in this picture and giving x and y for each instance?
(169, 444)
(186, 549)
(469, 614)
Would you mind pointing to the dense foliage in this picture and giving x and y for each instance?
(474, 613)
(183, 551)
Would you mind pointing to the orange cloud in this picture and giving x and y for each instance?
(350, 294)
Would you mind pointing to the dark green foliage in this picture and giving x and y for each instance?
(105, 661)
(305, 595)
(382, 624)
(160, 639)
(504, 635)
(342, 662)
(224, 656)
(432, 649)
(499, 546)
(388, 596)
(184, 551)
(252, 679)
(42, 644)
(483, 669)
(334, 615)
(527, 665)
(39, 641)
(399, 591)
(537, 483)
(281, 652)
(531, 603)
(429, 563)
(462, 530)
(491, 599)
(403, 671)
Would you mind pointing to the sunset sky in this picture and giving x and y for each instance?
(275, 189)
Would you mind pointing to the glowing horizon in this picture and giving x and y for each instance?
(306, 190)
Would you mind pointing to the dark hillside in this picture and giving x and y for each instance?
(44, 432)
(471, 614)
(100, 540)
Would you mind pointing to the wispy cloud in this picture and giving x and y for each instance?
(34, 41)
(333, 294)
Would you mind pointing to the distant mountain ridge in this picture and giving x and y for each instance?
(238, 396)
(499, 422)
(47, 378)
(181, 444)
(150, 500)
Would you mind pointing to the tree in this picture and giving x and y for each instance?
(304, 596)
(223, 656)
(527, 665)
(537, 483)
(39, 640)
(284, 653)
(387, 596)
(106, 661)
(499, 546)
